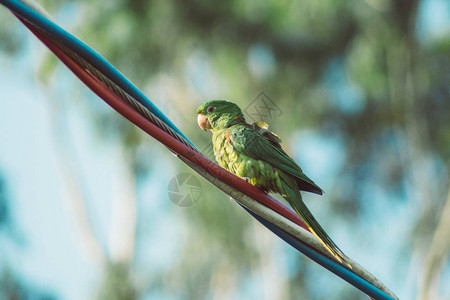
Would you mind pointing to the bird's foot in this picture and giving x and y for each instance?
(246, 179)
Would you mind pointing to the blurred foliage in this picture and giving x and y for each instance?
(117, 284)
(11, 35)
(4, 209)
(12, 288)
(353, 69)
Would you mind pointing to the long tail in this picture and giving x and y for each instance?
(295, 200)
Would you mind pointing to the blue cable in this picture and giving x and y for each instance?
(106, 68)
(89, 54)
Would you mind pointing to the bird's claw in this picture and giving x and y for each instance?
(246, 179)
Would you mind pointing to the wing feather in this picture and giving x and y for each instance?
(254, 145)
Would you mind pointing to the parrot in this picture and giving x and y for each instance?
(253, 153)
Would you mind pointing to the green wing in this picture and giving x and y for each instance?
(253, 144)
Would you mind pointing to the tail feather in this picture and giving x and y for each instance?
(295, 200)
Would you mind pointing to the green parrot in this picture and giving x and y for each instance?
(252, 152)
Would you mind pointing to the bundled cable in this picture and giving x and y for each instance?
(118, 92)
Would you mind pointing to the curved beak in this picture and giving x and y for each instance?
(203, 122)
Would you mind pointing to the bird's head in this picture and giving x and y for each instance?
(219, 114)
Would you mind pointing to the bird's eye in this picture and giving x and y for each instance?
(210, 109)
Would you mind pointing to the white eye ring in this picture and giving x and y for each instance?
(210, 109)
